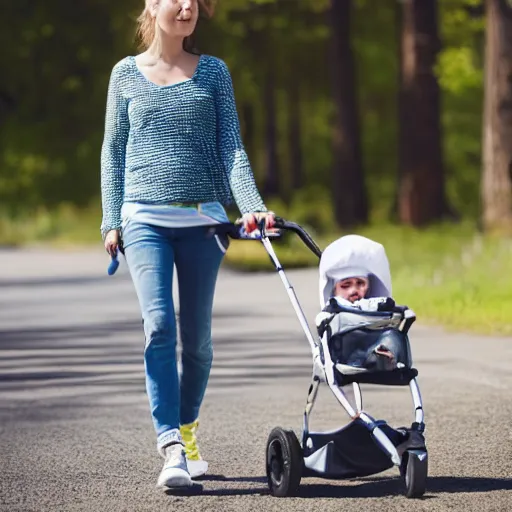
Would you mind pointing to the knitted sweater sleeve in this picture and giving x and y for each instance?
(231, 149)
(113, 152)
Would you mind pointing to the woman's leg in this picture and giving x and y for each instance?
(150, 258)
(198, 257)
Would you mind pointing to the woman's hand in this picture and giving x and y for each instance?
(251, 221)
(112, 242)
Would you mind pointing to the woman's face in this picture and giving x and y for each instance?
(177, 18)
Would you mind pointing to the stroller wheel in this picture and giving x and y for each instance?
(284, 462)
(414, 470)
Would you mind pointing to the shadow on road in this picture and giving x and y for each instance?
(223, 478)
(111, 354)
(381, 487)
(367, 488)
(50, 281)
(63, 338)
(198, 490)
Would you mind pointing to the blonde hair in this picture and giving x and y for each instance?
(146, 24)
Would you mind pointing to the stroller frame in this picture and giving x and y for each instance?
(385, 447)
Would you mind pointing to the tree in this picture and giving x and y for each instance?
(421, 189)
(497, 123)
(350, 201)
(294, 132)
(271, 182)
(53, 99)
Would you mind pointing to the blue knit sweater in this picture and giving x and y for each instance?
(176, 143)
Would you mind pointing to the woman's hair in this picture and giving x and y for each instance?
(146, 25)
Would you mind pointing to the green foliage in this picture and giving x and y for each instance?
(53, 97)
(457, 70)
(52, 100)
(460, 72)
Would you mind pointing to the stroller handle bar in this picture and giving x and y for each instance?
(237, 232)
(303, 235)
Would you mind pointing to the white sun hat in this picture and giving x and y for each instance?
(354, 256)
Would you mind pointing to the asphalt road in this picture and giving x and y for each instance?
(75, 429)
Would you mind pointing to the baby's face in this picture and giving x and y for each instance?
(352, 288)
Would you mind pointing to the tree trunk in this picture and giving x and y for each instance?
(271, 182)
(393, 214)
(349, 193)
(294, 132)
(421, 197)
(497, 123)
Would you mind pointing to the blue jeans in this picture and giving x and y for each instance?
(151, 253)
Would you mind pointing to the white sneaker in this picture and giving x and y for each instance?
(175, 472)
(197, 468)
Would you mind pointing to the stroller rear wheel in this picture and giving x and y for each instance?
(284, 462)
(414, 470)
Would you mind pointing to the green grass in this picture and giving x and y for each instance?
(64, 227)
(449, 274)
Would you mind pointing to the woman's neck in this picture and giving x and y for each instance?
(166, 48)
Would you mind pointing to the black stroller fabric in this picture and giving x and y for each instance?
(352, 452)
(359, 349)
(374, 350)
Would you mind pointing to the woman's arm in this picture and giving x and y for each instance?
(231, 148)
(113, 153)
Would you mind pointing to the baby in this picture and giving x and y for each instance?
(353, 291)
(354, 271)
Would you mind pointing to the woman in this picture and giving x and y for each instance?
(171, 157)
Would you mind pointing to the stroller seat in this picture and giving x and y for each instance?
(377, 356)
(368, 347)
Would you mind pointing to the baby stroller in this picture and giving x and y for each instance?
(353, 346)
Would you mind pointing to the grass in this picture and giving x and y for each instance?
(449, 274)
(64, 227)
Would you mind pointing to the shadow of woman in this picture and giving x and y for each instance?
(198, 487)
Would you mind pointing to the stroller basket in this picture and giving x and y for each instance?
(349, 452)
(371, 356)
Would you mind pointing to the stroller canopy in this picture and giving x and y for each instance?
(352, 256)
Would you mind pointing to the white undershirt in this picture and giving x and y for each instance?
(169, 216)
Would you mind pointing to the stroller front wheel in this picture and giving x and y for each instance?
(284, 462)
(414, 470)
